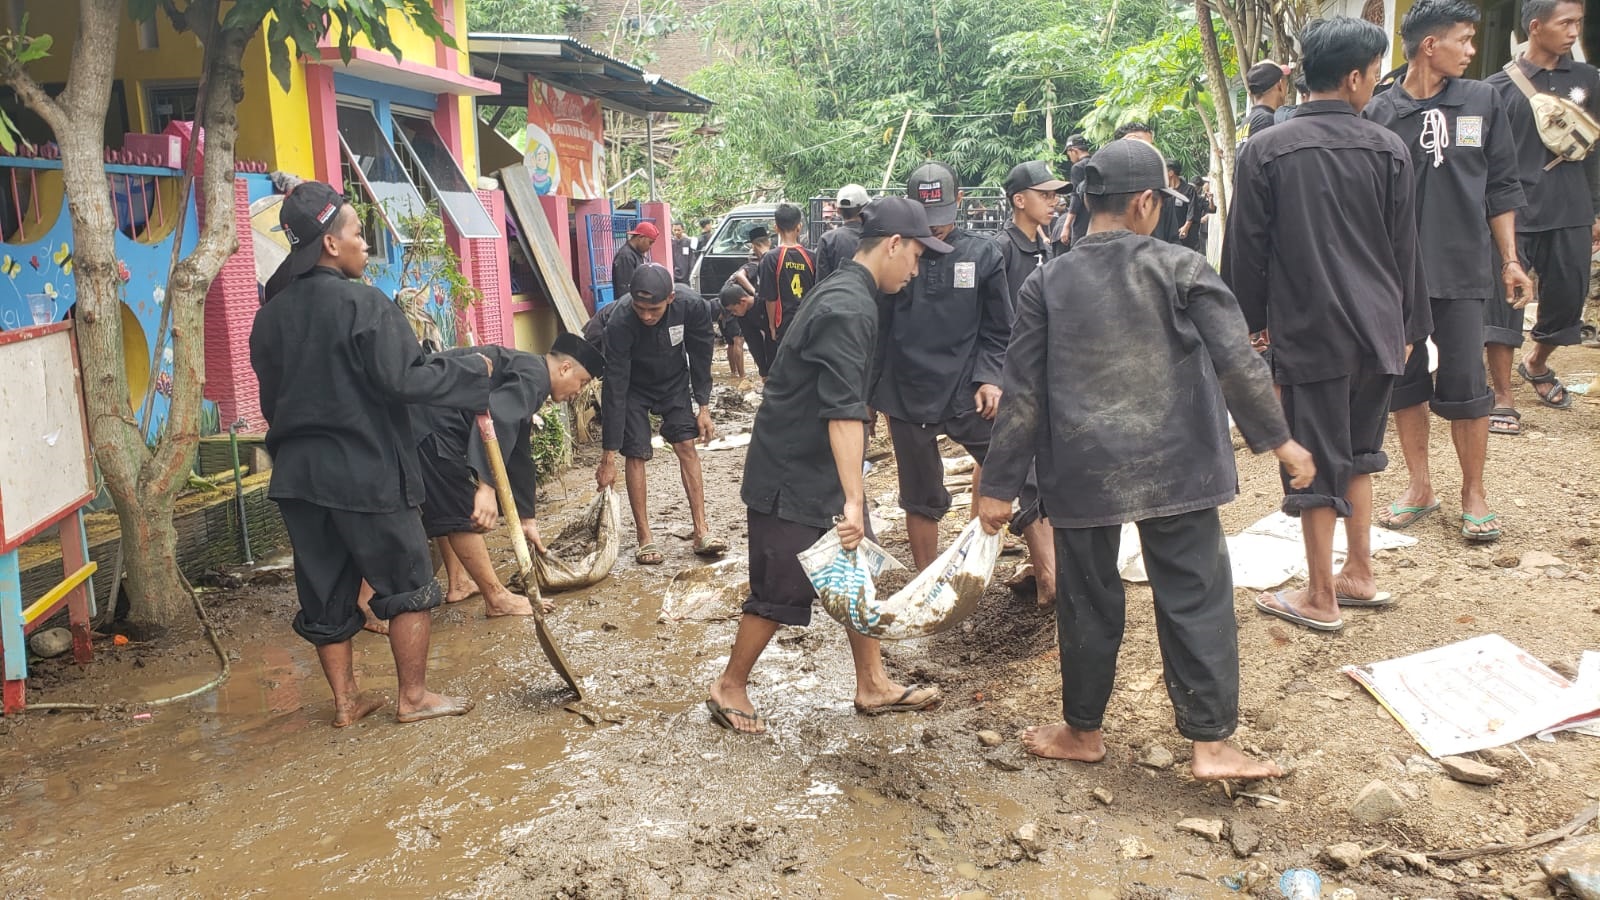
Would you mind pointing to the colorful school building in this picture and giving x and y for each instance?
(399, 136)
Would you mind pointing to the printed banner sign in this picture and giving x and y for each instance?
(566, 142)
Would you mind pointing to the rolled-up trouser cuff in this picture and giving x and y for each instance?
(1462, 410)
(1369, 462)
(420, 600)
(1029, 507)
(322, 634)
(1294, 504)
(1503, 337)
(1569, 336)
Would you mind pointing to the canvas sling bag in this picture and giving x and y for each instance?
(1566, 128)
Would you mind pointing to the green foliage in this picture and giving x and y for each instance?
(527, 16)
(551, 445)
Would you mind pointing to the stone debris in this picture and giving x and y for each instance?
(1103, 795)
(1470, 770)
(1244, 838)
(1539, 559)
(990, 738)
(1156, 756)
(1027, 837)
(1133, 848)
(50, 642)
(1210, 829)
(1377, 802)
(1577, 863)
(1343, 855)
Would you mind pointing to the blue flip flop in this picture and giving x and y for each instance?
(1294, 617)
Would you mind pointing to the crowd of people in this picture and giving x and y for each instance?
(1382, 215)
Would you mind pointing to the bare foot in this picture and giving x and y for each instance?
(1351, 586)
(1062, 741)
(509, 604)
(462, 591)
(433, 706)
(1046, 597)
(735, 698)
(1219, 760)
(373, 623)
(357, 708)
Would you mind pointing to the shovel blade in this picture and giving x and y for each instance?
(547, 643)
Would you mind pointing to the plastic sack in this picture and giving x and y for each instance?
(602, 521)
(937, 599)
(844, 578)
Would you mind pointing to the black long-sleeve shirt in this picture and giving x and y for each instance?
(671, 356)
(945, 333)
(1022, 255)
(1465, 160)
(1321, 247)
(1124, 310)
(821, 374)
(837, 246)
(1569, 194)
(338, 365)
(623, 264)
(521, 387)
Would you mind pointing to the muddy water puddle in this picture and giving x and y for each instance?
(247, 790)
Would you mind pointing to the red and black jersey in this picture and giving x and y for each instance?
(786, 275)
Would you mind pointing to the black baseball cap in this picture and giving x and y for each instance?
(901, 216)
(1032, 175)
(1078, 142)
(1127, 167)
(935, 186)
(569, 344)
(1264, 76)
(652, 283)
(732, 294)
(304, 216)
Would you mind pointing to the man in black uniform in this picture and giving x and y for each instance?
(337, 365)
(1465, 159)
(753, 324)
(1122, 308)
(803, 471)
(1321, 251)
(682, 253)
(1075, 223)
(734, 304)
(839, 244)
(1268, 83)
(1176, 210)
(786, 273)
(658, 359)
(944, 345)
(633, 253)
(1189, 229)
(1556, 231)
(459, 502)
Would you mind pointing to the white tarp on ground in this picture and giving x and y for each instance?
(1478, 693)
(1264, 555)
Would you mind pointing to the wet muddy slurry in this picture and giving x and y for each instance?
(248, 791)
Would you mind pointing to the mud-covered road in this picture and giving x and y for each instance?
(249, 791)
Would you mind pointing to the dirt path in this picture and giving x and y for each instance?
(248, 791)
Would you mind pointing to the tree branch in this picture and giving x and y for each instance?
(34, 96)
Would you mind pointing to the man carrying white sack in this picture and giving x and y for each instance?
(1118, 309)
(803, 471)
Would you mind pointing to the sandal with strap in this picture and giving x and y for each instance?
(1505, 420)
(1564, 400)
(649, 555)
(1487, 536)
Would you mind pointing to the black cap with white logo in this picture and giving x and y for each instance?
(304, 217)
(936, 187)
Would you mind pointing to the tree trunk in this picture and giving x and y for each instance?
(1222, 101)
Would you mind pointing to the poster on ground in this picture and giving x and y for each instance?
(566, 142)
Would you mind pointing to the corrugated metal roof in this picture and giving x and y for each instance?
(570, 64)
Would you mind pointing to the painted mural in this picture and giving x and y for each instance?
(36, 267)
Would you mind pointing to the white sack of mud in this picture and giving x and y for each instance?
(938, 598)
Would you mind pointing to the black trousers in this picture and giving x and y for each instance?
(1187, 560)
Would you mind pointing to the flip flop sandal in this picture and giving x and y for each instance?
(649, 555)
(901, 705)
(1417, 514)
(454, 706)
(1505, 420)
(710, 546)
(1292, 616)
(720, 714)
(1378, 601)
(1549, 377)
(1479, 537)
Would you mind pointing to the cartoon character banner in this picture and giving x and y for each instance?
(566, 142)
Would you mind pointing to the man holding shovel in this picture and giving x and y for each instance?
(458, 481)
(338, 366)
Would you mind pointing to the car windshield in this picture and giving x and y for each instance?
(734, 237)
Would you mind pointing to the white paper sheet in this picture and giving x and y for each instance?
(1479, 693)
(1588, 680)
(1266, 554)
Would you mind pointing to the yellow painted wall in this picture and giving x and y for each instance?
(535, 330)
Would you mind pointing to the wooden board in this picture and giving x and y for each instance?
(45, 472)
(539, 242)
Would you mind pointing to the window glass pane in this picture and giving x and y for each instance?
(374, 160)
(432, 158)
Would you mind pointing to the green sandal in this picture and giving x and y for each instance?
(1479, 537)
(1396, 511)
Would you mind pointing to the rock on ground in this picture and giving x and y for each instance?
(1210, 829)
(1470, 770)
(990, 738)
(1576, 862)
(1377, 802)
(1244, 838)
(1156, 756)
(50, 642)
(1343, 855)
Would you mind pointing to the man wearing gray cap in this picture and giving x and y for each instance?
(1122, 308)
(944, 346)
(802, 475)
(839, 244)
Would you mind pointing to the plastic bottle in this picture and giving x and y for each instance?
(1301, 884)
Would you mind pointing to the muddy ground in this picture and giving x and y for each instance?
(248, 791)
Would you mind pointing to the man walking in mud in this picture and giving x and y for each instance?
(1321, 252)
(802, 474)
(1124, 308)
(338, 364)
(658, 360)
(1465, 159)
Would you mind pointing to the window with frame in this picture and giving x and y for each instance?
(435, 171)
(173, 103)
(372, 163)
